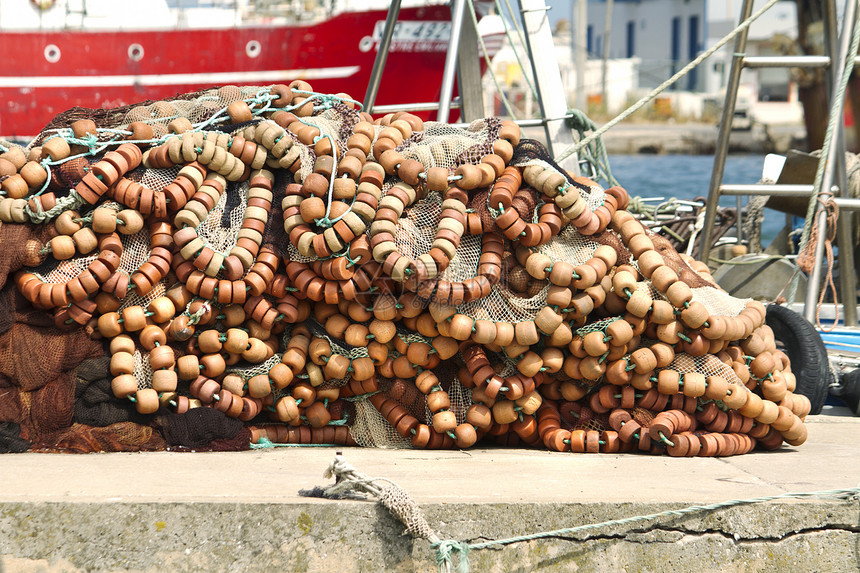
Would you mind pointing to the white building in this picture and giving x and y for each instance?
(622, 77)
(664, 35)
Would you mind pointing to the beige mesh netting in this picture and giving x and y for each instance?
(315, 275)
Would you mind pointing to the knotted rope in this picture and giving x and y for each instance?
(594, 152)
(349, 483)
(806, 257)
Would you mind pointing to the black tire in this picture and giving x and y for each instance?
(849, 391)
(804, 347)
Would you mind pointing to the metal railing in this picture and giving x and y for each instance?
(834, 178)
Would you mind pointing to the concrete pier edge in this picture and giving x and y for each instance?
(241, 511)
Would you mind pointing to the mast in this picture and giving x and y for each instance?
(580, 22)
(607, 29)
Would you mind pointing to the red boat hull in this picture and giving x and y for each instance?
(54, 71)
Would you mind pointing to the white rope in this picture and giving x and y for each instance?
(349, 481)
(656, 91)
(697, 228)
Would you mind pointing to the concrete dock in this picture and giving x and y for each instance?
(693, 138)
(241, 511)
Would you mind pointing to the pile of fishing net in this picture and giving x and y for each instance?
(270, 265)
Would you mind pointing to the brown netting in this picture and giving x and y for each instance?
(12, 410)
(588, 419)
(670, 255)
(612, 240)
(33, 352)
(119, 437)
(642, 416)
(20, 244)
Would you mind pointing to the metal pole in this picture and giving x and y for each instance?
(847, 204)
(844, 226)
(784, 61)
(723, 136)
(457, 11)
(833, 159)
(740, 223)
(607, 30)
(538, 7)
(381, 56)
(831, 45)
(580, 25)
(777, 190)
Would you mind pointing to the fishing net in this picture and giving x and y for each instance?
(268, 265)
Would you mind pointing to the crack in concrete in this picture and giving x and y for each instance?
(846, 528)
(831, 527)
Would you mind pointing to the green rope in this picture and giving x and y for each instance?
(673, 234)
(638, 206)
(115, 131)
(360, 397)
(47, 166)
(342, 422)
(445, 549)
(218, 116)
(262, 97)
(71, 201)
(266, 443)
(194, 318)
(595, 151)
(89, 140)
(576, 147)
(832, 125)
(327, 99)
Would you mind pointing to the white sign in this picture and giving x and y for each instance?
(425, 36)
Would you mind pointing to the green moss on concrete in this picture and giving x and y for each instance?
(306, 523)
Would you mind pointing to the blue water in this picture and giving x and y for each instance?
(688, 177)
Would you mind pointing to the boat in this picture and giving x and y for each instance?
(90, 54)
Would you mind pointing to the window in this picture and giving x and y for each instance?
(676, 43)
(692, 52)
(631, 37)
(589, 39)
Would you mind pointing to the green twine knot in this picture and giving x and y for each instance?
(445, 550)
(90, 141)
(576, 119)
(592, 152)
(342, 422)
(196, 316)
